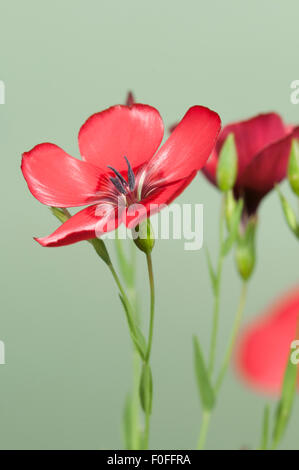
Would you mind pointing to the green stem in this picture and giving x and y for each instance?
(152, 305)
(234, 333)
(146, 431)
(136, 364)
(136, 403)
(150, 338)
(217, 296)
(206, 416)
(119, 285)
(223, 369)
(136, 367)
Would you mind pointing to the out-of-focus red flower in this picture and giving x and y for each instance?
(121, 166)
(263, 146)
(264, 346)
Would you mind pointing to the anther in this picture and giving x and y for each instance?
(131, 176)
(118, 185)
(117, 173)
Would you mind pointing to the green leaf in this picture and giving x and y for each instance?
(135, 332)
(205, 389)
(284, 407)
(227, 164)
(265, 428)
(234, 228)
(213, 277)
(289, 213)
(146, 388)
(101, 249)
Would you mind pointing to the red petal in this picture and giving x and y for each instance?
(57, 179)
(269, 166)
(135, 132)
(155, 203)
(251, 137)
(86, 224)
(264, 346)
(188, 147)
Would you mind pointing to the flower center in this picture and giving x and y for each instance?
(122, 186)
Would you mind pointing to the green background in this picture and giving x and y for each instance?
(68, 351)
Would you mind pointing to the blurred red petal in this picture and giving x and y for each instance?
(264, 346)
(210, 168)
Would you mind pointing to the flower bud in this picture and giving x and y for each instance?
(227, 164)
(289, 214)
(293, 167)
(143, 236)
(229, 207)
(245, 251)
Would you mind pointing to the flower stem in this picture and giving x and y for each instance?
(232, 340)
(150, 338)
(136, 403)
(152, 305)
(206, 416)
(217, 296)
(136, 367)
(119, 285)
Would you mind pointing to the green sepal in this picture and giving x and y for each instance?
(101, 249)
(61, 214)
(245, 250)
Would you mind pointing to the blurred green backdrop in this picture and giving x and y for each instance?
(68, 351)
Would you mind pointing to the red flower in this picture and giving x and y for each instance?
(264, 346)
(120, 163)
(263, 146)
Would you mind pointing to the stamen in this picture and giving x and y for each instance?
(118, 185)
(131, 176)
(140, 184)
(117, 173)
